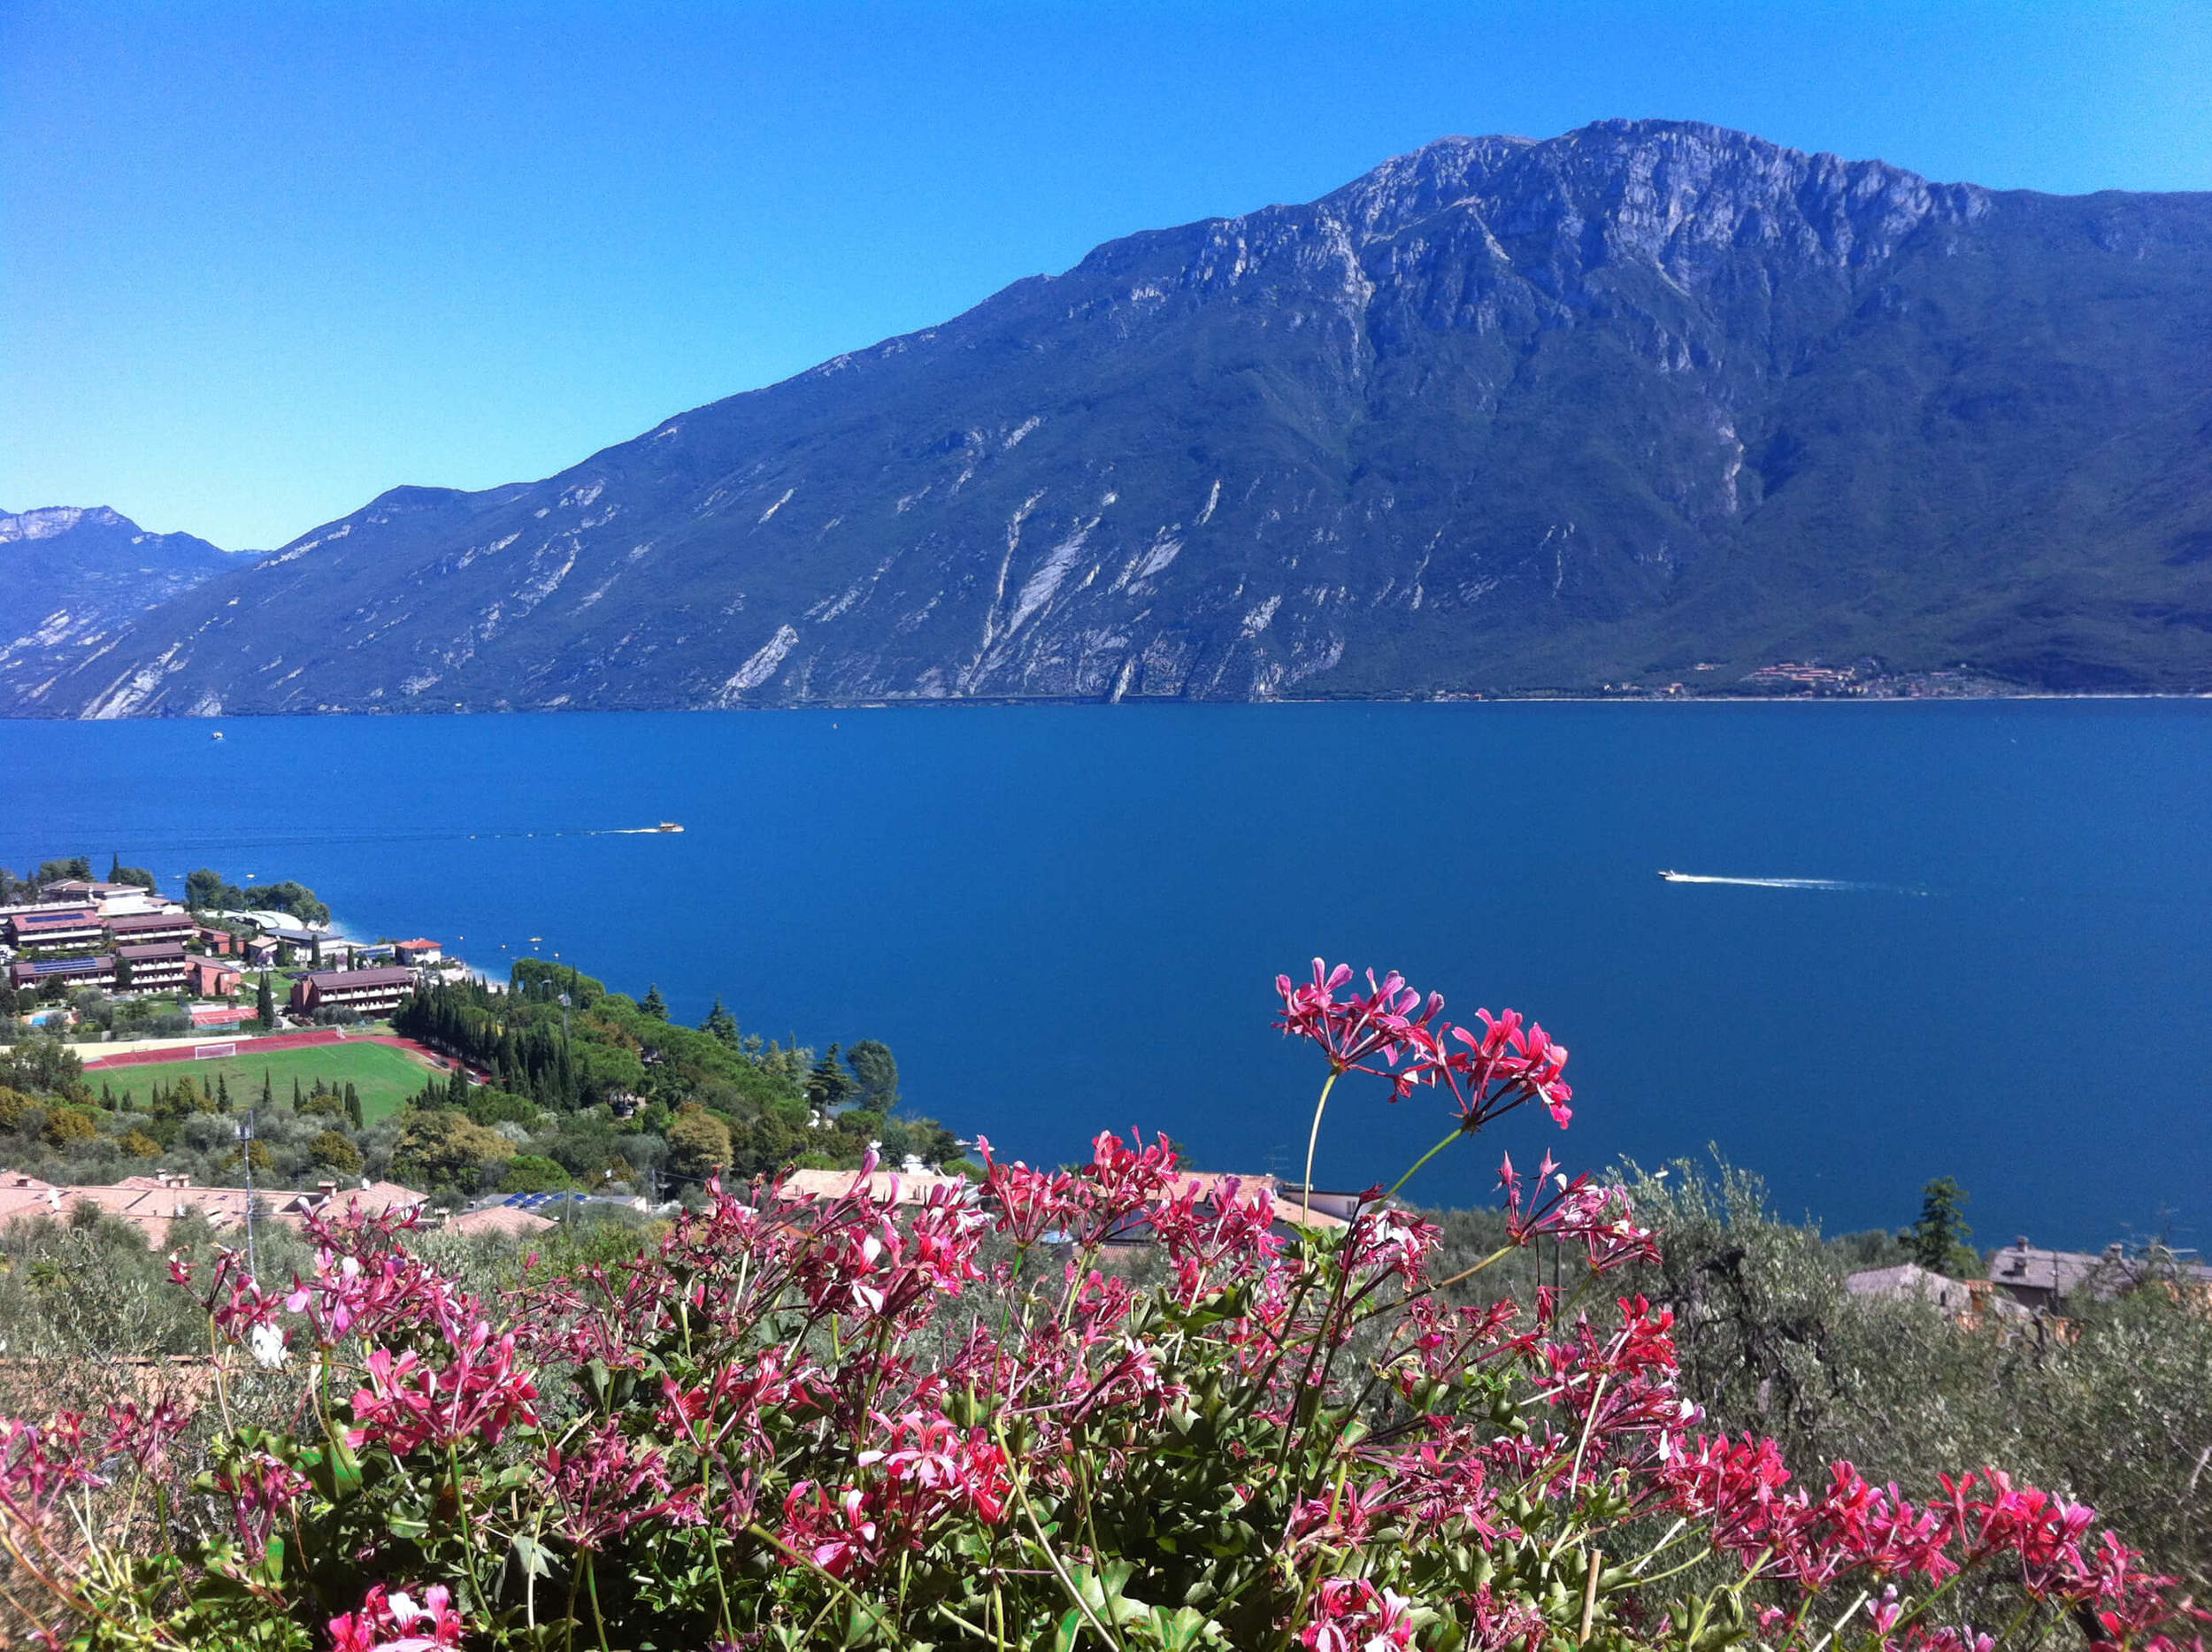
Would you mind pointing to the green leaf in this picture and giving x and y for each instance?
(534, 1555)
(1103, 1593)
(1182, 1629)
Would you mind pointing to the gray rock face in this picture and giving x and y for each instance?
(72, 578)
(1499, 415)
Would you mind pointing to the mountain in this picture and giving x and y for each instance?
(1501, 416)
(70, 578)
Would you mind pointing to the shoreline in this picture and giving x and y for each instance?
(1053, 702)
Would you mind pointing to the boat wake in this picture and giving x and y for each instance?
(322, 839)
(1831, 886)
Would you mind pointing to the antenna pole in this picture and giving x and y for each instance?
(245, 1140)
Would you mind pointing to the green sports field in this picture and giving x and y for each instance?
(385, 1077)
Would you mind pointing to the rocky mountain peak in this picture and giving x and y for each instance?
(1650, 401)
(56, 519)
(1673, 193)
(74, 576)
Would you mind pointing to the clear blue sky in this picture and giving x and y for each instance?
(259, 262)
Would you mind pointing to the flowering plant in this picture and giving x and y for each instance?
(970, 1421)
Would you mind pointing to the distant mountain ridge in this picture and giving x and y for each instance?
(1647, 399)
(70, 577)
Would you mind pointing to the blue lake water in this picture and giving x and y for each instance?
(1069, 917)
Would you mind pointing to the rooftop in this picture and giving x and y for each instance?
(92, 965)
(882, 1185)
(500, 1218)
(152, 951)
(54, 918)
(325, 979)
(2111, 1272)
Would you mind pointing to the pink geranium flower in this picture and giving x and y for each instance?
(393, 1622)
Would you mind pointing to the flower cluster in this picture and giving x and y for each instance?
(1352, 1615)
(389, 1621)
(982, 1420)
(1600, 1218)
(1740, 1492)
(411, 1402)
(1487, 1073)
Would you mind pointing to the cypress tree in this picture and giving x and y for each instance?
(1938, 1240)
(721, 1023)
(829, 1085)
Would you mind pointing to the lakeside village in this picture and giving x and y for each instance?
(224, 1052)
(173, 1062)
(195, 1058)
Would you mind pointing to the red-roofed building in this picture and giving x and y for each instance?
(366, 992)
(418, 951)
(218, 1016)
(219, 943)
(56, 926)
(379, 1198)
(144, 927)
(89, 889)
(150, 1203)
(500, 1218)
(31, 973)
(157, 966)
(212, 978)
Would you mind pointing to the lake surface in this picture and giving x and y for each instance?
(1066, 918)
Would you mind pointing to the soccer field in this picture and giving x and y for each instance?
(385, 1077)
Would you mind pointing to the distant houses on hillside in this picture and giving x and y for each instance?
(154, 1203)
(2029, 1282)
(371, 992)
(134, 943)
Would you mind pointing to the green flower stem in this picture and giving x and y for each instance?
(1835, 1628)
(1021, 1494)
(591, 1587)
(1590, 1595)
(1589, 1421)
(1313, 1139)
(947, 1613)
(1418, 1163)
(1465, 1274)
(792, 1554)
